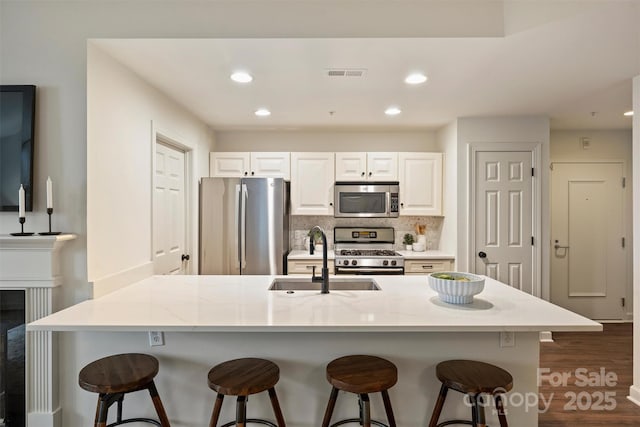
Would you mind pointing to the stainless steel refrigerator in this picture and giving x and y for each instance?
(244, 225)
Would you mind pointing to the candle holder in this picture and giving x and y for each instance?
(49, 233)
(22, 220)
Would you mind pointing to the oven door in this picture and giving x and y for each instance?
(370, 271)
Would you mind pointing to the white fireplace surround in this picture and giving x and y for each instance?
(31, 264)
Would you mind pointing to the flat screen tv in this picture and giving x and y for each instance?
(17, 126)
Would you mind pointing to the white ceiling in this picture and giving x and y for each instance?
(574, 65)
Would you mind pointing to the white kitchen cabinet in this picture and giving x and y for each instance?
(420, 176)
(256, 164)
(351, 166)
(229, 165)
(312, 181)
(382, 166)
(306, 266)
(426, 266)
(366, 166)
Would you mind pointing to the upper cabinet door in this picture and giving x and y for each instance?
(382, 166)
(420, 183)
(229, 165)
(312, 179)
(351, 166)
(271, 165)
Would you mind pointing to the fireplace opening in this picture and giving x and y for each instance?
(12, 359)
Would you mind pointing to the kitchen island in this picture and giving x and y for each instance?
(209, 319)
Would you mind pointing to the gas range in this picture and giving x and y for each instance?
(366, 250)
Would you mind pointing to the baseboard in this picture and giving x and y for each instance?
(634, 394)
(546, 336)
(119, 280)
(45, 419)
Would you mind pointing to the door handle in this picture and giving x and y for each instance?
(185, 257)
(482, 254)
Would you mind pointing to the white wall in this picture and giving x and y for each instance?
(604, 145)
(325, 140)
(122, 112)
(447, 142)
(502, 130)
(45, 43)
(634, 392)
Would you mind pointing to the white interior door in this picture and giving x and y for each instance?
(588, 263)
(169, 205)
(503, 218)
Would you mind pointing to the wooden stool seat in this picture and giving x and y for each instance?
(472, 378)
(361, 374)
(241, 378)
(114, 376)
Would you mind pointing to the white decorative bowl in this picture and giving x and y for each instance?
(453, 290)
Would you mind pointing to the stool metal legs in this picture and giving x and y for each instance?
(364, 407)
(477, 411)
(241, 412)
(106, 400)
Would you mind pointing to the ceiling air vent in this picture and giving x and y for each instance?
(346, 72)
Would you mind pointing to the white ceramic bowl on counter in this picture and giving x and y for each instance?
(456, 287)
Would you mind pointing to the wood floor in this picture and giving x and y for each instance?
(586, 406)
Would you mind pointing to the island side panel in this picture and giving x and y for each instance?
(302, 357)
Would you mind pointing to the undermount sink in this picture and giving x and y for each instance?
(298, 284)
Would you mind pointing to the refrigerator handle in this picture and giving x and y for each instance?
(243, 227)
(237, 228)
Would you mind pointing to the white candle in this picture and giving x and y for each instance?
(21, 202)
(49, 194)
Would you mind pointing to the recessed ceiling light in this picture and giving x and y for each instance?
(262, 112)
(241, 77)
(392, 111)
(415, 78)
(629, 113)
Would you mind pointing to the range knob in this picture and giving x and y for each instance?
(385, 262)
(346, 262)
(393, 262)
(354, 262)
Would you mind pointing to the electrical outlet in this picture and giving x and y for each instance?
(507, 339)
(156, 338)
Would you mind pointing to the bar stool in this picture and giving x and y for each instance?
(361, 375)
(242, 377)
(472, 378)
(113, 377)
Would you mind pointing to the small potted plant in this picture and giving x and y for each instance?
(408, 241)
(315, 240)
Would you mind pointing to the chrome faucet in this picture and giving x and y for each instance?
(324, 278)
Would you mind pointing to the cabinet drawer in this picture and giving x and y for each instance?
(427, 266)
(306, 267)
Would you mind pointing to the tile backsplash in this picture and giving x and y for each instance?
(301, 224)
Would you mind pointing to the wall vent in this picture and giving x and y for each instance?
(346, 72)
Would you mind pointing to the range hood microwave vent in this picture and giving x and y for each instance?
(346, 72)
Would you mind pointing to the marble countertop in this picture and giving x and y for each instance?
(243, 304)
(426, 255)
(304, 255)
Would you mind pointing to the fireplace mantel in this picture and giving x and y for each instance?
(32, 264)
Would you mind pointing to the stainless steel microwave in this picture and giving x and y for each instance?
(357, 199)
